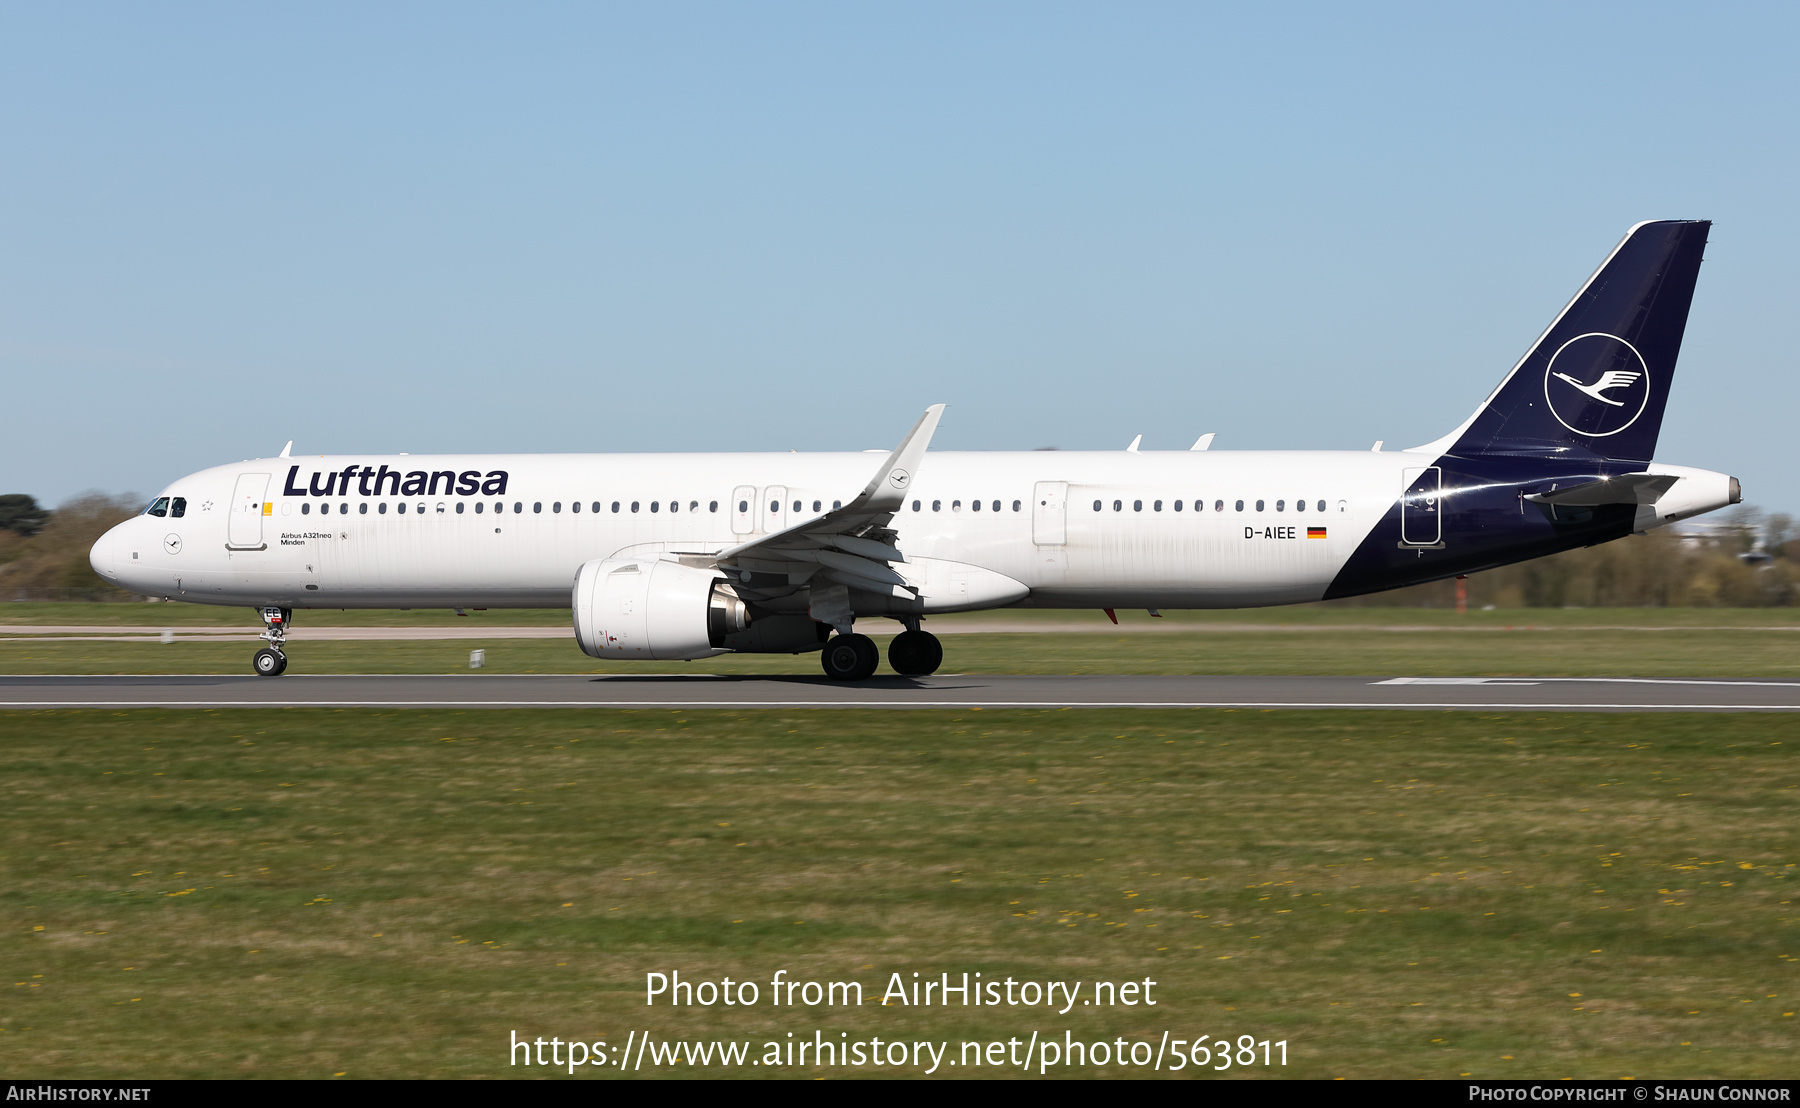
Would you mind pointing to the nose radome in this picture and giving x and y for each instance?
(104, 556)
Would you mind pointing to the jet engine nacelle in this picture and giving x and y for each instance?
(646, 608)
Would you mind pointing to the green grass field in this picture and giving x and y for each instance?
(371, 893)
(155, 615)
(1557, 652)
(1308, 639)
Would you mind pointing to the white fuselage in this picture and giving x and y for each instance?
(1231, 530)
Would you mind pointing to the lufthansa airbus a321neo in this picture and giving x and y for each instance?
(680, 556)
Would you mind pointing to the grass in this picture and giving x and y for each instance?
(1555, 652)
(157, 615)
(373, 893)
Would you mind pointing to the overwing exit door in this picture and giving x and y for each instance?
(244, 529)
(743, 510)
(1421, 507)
(773, 508)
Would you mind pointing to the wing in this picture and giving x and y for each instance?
(846, 548)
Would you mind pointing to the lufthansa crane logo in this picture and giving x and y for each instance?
(1597, 384)
(899, 478)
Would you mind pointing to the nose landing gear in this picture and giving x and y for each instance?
(271, 661)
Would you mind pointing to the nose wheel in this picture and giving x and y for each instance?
(271, 660)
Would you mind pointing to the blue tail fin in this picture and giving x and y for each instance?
(1596, 382)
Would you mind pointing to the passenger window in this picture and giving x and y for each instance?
(518, 507)
(1259, 505)
(712, 506)
(796, 505)
(655, 506)
(595, 507)
(1219, 506)
(178, 507)
(916, 505)
(836, 504)
(615, 507)
(1118, 505)
(674, 505)
(305, 508)
(1178, 505)
(975, 506)
(693, 505)
(1343, 506)
(634, 505)
(815, 505)
(459, 507)
(1096, 505)
(1017, 504)
(956, 505)
(158, 507)
(478, 506)
(1137, 505)
(937, 505)
(556, 507)
(743, 506)
(1280, 506)
(401, 507)
(1321, 505)
(362, 509)
(1240, 505)
(774, 506)
(1157, 505)
(537, 506)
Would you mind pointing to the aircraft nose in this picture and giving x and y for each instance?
(104, 555)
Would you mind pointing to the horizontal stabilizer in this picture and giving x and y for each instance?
(1629, 488)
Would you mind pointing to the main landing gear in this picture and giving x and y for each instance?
(913, 653)
(270, 661)
(850, 657)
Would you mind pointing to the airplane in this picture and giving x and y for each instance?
(684, 556)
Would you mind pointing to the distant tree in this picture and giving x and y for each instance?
(1778, 531)
(22, 514)
(57, 555)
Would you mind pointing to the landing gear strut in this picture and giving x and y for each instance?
(271, 661)
(915, 653)
(850, 657)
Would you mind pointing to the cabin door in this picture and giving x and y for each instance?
(245, 527)
(1421, 504)
(1050, 513)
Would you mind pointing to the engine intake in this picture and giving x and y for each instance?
(645, 608)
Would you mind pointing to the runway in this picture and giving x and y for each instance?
(681, 691)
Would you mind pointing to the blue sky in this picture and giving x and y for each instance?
(732, 226)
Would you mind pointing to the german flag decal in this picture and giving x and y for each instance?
(1315, 532)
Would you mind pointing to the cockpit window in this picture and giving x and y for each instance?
(158, 507)
(178, 507)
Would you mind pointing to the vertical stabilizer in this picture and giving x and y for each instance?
(1596, 382)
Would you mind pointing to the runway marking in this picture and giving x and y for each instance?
(1591, 680)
